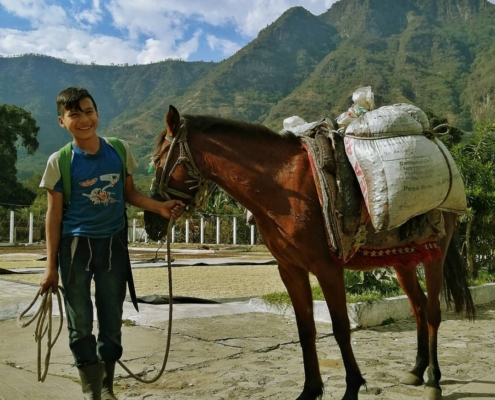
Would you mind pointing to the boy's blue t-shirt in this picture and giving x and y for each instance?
(97, 205)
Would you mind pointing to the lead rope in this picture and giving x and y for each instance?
(170, 305)
(46, 309)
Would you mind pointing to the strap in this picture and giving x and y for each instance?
(119, 147)
(64, 161)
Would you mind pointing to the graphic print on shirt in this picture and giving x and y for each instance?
(101, 195)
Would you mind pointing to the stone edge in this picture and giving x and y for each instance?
(376, 313)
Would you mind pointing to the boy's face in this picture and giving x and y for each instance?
(81, 124)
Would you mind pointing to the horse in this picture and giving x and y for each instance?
(269, 173)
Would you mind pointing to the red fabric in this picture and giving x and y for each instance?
(409, 255)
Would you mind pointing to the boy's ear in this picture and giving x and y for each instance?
(61, 122)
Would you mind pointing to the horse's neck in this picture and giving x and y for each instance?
(244, 167)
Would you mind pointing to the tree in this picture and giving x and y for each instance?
(475, 159)
(17, 127)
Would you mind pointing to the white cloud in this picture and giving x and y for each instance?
(156, 50)
(70, 44)
(227, 47)
(37, 12)
(90, 16)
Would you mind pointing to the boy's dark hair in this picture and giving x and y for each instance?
(69, 99)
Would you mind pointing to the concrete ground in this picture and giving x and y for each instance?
(232, 351)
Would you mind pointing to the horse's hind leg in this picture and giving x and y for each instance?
(409, 282)
(296, 281)
(332, 284)
(434, 281)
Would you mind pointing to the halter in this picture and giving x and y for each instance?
(185, 158)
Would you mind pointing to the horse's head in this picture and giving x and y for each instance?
(176, 174)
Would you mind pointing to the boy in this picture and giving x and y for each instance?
(88, 240)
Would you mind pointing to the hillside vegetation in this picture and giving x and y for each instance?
(438, 54)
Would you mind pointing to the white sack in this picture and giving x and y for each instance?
(417, 113)
(293, 122)
(385, 121)
(404, 176)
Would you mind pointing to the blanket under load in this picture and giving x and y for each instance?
(350, 233)
(402, 168)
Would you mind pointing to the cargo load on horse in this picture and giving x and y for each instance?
(402, 169)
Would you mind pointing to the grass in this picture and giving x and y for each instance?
(282, 300)
(358, 292)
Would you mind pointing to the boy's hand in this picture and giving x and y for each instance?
(50, 279)
(172, 208)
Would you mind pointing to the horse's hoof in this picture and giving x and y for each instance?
(432, 393)
(412, 380)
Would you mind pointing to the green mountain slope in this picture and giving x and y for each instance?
(438, 54)
(426, 52)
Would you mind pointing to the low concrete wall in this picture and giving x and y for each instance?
(373, 314)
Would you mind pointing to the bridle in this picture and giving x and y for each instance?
(161, 186)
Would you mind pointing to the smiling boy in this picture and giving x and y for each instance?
(87, 239)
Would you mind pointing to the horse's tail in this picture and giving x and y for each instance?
(456, 289)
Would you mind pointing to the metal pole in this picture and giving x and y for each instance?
(187, 231)
(234, 227)
(218, 230)
(252, 235)
(11, 227)
(134, 230)
(202, 230)
(31, 227)
(173, 234)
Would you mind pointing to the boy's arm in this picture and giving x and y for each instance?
(53, 233)
(167, 209)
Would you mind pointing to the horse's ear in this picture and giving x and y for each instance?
(173, 121)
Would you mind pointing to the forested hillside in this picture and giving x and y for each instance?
(438, 54)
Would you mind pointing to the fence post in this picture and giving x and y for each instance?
(11, 227)
(202, 234)
(187, 231)
(252, 235)
(234, 228)
(31, 227)
(218, 230)
(134, 230)
(173, 234)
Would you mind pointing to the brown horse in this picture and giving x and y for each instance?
(270, 174)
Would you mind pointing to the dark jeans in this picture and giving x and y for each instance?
(105, 261)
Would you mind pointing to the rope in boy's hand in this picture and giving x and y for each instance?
(46, 308)
(44, 326)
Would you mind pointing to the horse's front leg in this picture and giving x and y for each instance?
(409, 282)
(331, 279)
(296, 281)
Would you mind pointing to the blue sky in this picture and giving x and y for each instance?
(138, 31)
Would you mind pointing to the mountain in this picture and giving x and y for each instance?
(438, 54)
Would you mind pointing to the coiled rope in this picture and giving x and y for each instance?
(44, 324)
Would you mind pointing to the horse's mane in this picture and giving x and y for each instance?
(208, 123)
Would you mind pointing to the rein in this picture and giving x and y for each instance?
(162, 187)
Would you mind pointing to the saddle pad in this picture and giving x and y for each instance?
(344, 211)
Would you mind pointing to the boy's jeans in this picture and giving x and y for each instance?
(106, 261)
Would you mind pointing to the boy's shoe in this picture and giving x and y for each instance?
(92, 380)
(107, 391)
